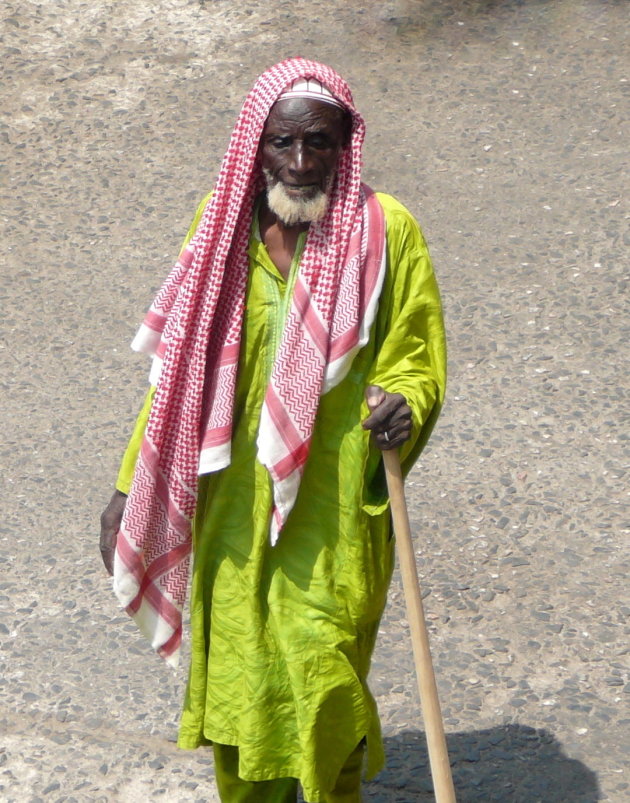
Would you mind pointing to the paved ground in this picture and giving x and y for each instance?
(500, 124)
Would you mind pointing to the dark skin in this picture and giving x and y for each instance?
(110, 524)
(300, 146)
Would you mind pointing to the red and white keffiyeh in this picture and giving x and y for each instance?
(193, 332)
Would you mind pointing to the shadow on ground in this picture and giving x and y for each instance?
(511, 762)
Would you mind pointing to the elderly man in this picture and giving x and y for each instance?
(298, 335)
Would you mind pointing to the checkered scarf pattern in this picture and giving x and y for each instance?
(193, 332)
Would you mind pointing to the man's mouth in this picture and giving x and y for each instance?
(300, 189)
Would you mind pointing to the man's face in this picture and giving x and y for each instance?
(299, 150)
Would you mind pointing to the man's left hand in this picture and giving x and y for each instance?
(390, 419)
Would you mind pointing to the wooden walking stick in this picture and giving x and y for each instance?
(436, 741)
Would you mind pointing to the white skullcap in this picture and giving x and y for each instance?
(312, 89)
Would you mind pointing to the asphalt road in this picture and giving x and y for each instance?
(501, 125)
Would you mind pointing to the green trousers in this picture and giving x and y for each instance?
(233, 789)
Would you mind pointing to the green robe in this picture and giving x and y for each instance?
(282, 636)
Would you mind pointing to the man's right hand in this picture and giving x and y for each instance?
(110, 524)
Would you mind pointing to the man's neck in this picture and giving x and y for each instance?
(279, 239)
(268, 219)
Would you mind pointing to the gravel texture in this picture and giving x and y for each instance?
(501, 125)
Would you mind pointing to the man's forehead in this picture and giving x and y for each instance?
(290, 110)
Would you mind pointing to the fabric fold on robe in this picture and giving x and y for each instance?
(282, 636)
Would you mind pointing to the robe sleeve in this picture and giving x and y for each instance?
(128, 463)
(130, 457)
(411, 344)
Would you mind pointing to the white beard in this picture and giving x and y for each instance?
(294, 210)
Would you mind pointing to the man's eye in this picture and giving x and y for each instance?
(281, 142)
(318, 142)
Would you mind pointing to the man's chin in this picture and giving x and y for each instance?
(294, 205)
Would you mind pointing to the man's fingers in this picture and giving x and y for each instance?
(373, 421)
(111, 518)
(387, 440)
(107, 547)
(374, 395)
(389, 419)
(108, 561)
(386, 414)
(398, 429)
(401, 416)
(379, 404)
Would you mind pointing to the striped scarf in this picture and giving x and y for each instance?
(193, 331)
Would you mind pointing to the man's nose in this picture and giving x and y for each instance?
(300, 161)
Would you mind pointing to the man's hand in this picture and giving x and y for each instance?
(390, 419)
(110, 524)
